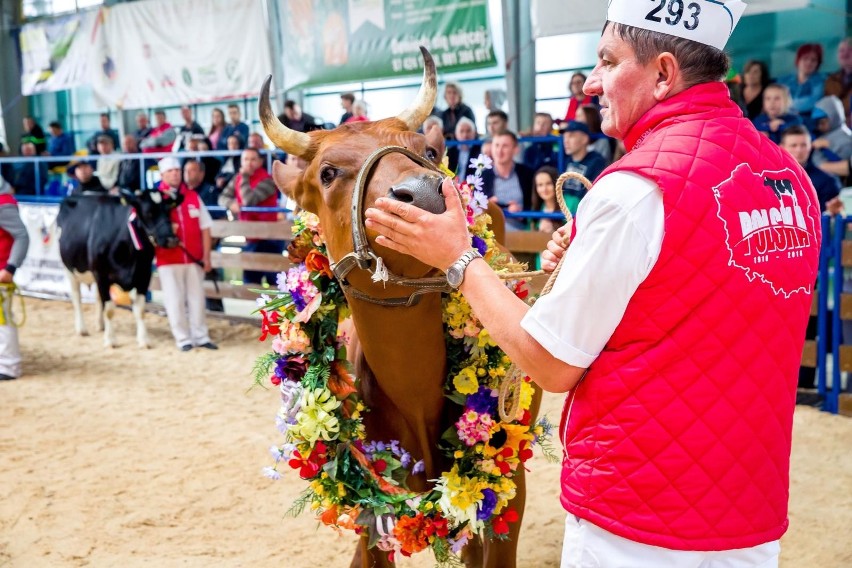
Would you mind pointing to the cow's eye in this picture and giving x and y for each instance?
(431, 154)
(327, 174)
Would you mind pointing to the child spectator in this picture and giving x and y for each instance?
(797, 141)
(544, 199)
(776, 116)
(217, 118)
(750, 95)
(807, 84)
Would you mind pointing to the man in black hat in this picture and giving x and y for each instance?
(87, 182)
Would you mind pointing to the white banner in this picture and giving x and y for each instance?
(164, 52)
(43, 271)
(558, 17)
(56, 54)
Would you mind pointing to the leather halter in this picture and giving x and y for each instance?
(365, 258)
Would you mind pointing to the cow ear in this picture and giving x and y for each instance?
(288, 179)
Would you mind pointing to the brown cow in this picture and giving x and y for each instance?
(399, 352)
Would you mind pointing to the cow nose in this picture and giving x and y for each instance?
(422, 191)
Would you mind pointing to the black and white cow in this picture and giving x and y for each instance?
(110, 240)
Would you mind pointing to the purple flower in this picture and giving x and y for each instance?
(298, 300)
(419, 467)
(456, 544)
(291, 368)
(483, 401)
(486, 506)
(281, 281)
(480, 245)
(405, 459)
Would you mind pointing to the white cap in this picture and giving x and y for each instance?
(710, 22)
(168, 163)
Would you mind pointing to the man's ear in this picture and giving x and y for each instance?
(435, 139)
(669, 76)
(288, 179)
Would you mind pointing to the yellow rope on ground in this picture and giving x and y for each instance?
(509, 400)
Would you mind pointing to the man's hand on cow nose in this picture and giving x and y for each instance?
(436, 240)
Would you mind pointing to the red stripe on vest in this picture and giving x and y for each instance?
(679, 435)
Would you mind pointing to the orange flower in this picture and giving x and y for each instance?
(341, 383)
(411, 533)
(329, 516)
(318, 262)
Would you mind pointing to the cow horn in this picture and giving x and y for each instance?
(414, 115)
(291, 141)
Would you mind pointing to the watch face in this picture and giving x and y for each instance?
(454, 276)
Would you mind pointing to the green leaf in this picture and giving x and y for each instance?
(300, 503)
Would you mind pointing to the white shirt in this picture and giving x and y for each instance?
(205, 221)
(620, 225)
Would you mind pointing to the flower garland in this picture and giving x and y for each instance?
(358, 484)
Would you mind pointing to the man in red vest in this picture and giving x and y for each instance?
(678, 321)
(253, 187)
(182, 269)
(14, 242)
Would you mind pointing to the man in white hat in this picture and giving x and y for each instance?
(677, 323)
(182, 269)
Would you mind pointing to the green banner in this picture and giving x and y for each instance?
(333, 41)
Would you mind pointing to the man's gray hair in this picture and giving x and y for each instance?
(699, 63)
(432, 119)
(465, 120)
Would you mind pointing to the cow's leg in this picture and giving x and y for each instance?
(79, 323)
(99, 310)
(139, 315)
(108, 308)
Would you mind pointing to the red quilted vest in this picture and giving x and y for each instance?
(6, 240)
(272, 201)
(679, 434)
(187, 217)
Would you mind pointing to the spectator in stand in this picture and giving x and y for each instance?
(576, 137)
(92, 143)
(432, 122)
(143, 127)
(182, 269)
(807, 84)
(230, 166)
(578, 98)
(455, 110)
(834, 135)
(24, 173)
(162, 137)
(544, 199)
(189, 127)
(590, 115)
(14, 243)
(217, 119)
(776, 116)
(359, 112)
(60, 144)
(508, 184)
(253, 187)
(108, 165)
(494, 99)
(87, 183)
(193, 176)
(459, 157)
(129, 175)
(256, 141)
(797, 140)
(235, 127)
(33, 132)
(346, 101)
(496, 122)
(839, 83)
(294, 119)
(211, 163)
(750, 94)
(539, 154)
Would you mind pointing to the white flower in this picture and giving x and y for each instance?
(271, 473)
(482, 162)
(476, 182)
(478, 203)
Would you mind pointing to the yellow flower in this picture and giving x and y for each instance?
(466, 382)
(527, 391)
(316, 419)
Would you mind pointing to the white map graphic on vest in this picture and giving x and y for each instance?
(770, 223)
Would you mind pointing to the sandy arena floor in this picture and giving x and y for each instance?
(153, 458)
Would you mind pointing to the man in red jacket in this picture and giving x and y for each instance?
(678, 322)
(14, 242)
(182, 269)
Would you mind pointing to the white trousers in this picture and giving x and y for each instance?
(589, 546)
(10, 350)
(183, 296)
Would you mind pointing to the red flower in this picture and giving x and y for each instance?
(310, 465)
(521, 290)
(499, 460)
(438, 527)
(380, 465)
(526, 418)
(524, 451)
(269, 324)
(501, 523)
(275, 380)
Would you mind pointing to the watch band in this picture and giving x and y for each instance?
(455, 273)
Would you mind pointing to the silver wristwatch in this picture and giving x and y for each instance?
(455, 273)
